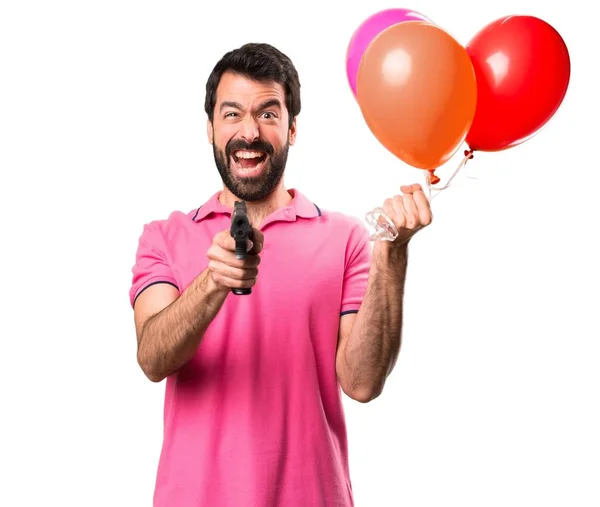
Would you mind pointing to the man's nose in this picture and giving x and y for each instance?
(249, 131)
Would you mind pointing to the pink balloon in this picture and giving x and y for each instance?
(368, 30)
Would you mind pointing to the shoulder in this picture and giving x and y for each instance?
(163, 230)
(307, 208)
(345, 234)
(350, 225)
(340, 218)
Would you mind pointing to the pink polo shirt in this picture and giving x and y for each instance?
(255, 418)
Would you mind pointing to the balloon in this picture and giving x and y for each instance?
(417, 92)
(367, 31)
(523, 69)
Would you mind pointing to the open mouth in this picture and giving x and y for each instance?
(248, 162)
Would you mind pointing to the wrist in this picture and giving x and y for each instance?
(207, 287)
(391, 252)
(389, 260)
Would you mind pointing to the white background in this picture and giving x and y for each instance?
(494, 401)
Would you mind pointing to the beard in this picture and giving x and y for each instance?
(251, 188)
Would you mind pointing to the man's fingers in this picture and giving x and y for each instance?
(423, 207)
(258, 240)
(409, 211)
(258, 236)
(398, 207)
(410, 189)
(412, 213)
(255, 245)
(217, 253)
(232, 272)
(414, 194)
(224, 240)
(389, 208)
(232, 283)
(239, 273)
(226, 269)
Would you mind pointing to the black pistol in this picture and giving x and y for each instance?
(241, 231)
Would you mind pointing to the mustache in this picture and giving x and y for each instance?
(239, 144)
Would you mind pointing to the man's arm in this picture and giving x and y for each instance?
(369, 341)
(170, 327)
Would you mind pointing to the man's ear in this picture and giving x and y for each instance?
(209, 131)
(292, 133)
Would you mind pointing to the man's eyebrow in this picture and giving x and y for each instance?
(270, 103)
(227, 103)
(265, 105)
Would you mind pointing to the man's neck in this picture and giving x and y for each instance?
(259, 210)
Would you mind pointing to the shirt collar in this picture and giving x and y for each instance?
(300, 206)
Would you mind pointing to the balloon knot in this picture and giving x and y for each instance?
(469, 154)
(433, 178)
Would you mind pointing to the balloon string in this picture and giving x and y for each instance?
(432, 179)
(383, 227)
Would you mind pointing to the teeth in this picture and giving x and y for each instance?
(248, 154)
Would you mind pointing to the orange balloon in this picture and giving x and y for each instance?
(417, 92)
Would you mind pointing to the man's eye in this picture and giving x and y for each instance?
(269, 116)
(229, 115)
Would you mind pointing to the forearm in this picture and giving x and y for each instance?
(170, 338)
(374, 342)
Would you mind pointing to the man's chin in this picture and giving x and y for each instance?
(247, 186)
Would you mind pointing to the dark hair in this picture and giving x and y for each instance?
(260, 62)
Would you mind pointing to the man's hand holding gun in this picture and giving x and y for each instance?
(234, 254)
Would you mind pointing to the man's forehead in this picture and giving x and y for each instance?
(234, 87)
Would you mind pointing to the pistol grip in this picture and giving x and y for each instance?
(241, 246)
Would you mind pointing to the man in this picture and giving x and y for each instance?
(253, 411)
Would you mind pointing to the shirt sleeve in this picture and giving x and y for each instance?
(356, 272)
(151, 265)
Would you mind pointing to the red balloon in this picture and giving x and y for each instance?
(523, 68)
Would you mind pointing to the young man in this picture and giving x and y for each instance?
(253, 411)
